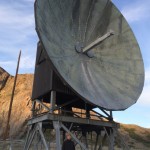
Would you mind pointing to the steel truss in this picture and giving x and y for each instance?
(79, 128)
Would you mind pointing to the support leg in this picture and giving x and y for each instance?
(33, 108)
(85, 138)
(97, 137)
(52, 101)
(112, 139)
(56, 125)
(42, 135)
(30, 136)
(27, 137)
(31, 133)
(103, 139)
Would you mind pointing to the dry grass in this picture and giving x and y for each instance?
(138, 137)
(21, 104)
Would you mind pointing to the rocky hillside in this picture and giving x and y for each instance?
(3, 78)
(136, 137)
(21, 104)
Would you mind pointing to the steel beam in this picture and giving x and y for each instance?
(44, 106)
(27, 137)
(61, 118)
(30, 135)
(30, 138)
(74, 137)
(42, 135)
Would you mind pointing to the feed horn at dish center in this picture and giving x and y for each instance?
(87, 57)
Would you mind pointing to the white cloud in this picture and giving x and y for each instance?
(145, 96)
(116, 119)
(137, 11)
(17, 31)
(3, 63)
(29, 1)
(7, 65)
(16, 21)
(147, 76)
(27, 62)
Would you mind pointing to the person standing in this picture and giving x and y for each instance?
(68, 143)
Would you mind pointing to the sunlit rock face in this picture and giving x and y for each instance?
(3, 77)
(21, 108)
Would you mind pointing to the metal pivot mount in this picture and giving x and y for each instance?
(80, 48)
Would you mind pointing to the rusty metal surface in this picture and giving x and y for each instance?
(113, 79)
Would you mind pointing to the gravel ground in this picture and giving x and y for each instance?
(18, 145)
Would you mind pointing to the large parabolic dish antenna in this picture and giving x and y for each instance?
(92, 49)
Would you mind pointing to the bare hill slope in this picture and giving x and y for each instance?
(21, 105)
(3, 77)
(137, 137)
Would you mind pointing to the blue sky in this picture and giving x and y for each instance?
(17, 31)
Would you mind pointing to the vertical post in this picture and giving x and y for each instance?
(103, 139)
(86, 140)
(27, 136)
(56, 125)
(52, 101)
(84, 133)
(30, 137)
(87, 114)
(87, 111)
(97, 137)
(7, 129)
(33, 108)
(42, 135)
(112, 139)
(111, 116)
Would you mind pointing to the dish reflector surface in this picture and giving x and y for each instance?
(113, 78)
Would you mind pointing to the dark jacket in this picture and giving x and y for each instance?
(68, 145)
